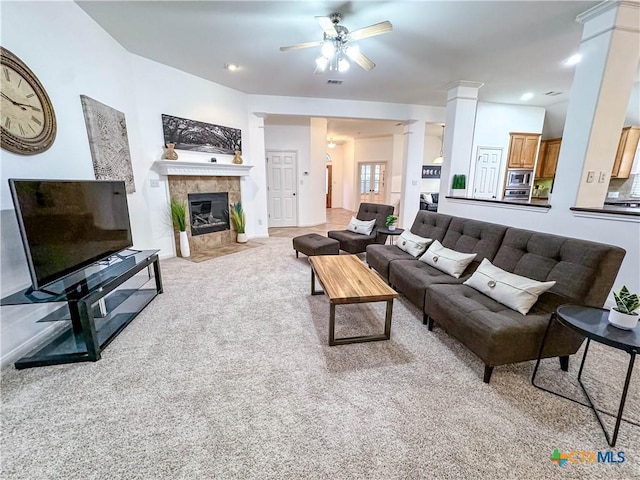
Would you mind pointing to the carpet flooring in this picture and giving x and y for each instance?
(228, 374)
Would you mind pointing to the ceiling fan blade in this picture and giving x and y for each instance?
(361, 60)
(328, 26)
(300, 45)
(371, 31)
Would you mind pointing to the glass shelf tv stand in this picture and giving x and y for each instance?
(101, 300)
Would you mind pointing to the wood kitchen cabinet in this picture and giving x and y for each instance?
(548, 158)
(626, 151)
(522, 150)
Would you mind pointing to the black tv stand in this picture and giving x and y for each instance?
(91, 328)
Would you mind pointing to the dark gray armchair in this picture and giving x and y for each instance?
(356, 243)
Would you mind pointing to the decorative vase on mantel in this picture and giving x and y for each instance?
(171, 154)
(237, 159)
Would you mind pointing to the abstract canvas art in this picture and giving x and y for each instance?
(108, 141)
(201, 136)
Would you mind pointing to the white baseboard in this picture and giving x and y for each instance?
(32, 343)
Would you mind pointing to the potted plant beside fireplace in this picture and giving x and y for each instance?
(179, 218)
(238, 218)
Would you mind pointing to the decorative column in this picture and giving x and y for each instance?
(602, 84)
(462, 102)
(412, 171)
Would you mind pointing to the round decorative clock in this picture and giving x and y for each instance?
(27, 119)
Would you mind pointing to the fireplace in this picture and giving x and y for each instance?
(208, 212)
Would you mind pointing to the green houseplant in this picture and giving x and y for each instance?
(459, 184)
(390, 222)
(236, 213)
(179, 220)
(624, 314)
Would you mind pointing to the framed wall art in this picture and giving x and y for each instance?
(431, 171)
(200, 136)
(108, 142)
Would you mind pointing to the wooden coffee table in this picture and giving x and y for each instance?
(346, 279)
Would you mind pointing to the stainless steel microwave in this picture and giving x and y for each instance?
(519, 178)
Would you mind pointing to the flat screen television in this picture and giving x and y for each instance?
(67, 225)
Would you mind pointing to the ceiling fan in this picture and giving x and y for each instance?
(336, 44)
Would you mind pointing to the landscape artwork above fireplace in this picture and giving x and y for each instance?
(208, 212)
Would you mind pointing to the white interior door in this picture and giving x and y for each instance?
(488, 161)
(282, 172)
(372, 182)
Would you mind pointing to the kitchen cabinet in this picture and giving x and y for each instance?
(548, 158)
(626, 151)
(522, 150)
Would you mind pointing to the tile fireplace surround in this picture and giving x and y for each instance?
(200, 177)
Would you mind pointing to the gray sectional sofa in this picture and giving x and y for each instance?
(584, 272)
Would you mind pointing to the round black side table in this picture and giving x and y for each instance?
(594, 324)
(391, 233)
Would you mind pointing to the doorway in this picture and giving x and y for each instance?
(488, 162)
(372, 182)
(328, 184)
(282, 172)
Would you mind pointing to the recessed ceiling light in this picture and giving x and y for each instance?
(232, 67)
(527, 96)
(573, 59)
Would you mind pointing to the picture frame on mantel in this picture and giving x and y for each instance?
(198, 136)
(431, 171)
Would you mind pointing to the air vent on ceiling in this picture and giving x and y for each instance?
(552, 93)
(335, 82)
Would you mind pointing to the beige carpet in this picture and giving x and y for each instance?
(228, 375)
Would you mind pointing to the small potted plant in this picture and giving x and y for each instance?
(391, 222)
(624, 314)
(239, 220)
(179, 219)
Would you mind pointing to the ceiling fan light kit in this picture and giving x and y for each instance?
(335, 49)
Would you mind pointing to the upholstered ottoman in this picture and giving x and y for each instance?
(314, 244)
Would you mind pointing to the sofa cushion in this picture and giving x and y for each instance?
(352, 242)
(472, 236)
(363, 227)
(411, 277)
(379, 258)
(447, 260)
(494, 332)
(414, 245)
(584, 271)
(514, 291)
(431, 225)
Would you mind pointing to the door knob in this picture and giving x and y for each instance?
(294, 194)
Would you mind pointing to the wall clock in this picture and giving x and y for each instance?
(27, 119)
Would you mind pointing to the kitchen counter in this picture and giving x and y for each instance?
(616, 210)
(535, 202)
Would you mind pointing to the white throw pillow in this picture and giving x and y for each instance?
(428, 198)
(516, 292)
(365, 227)
(412, 243)
(447, 260)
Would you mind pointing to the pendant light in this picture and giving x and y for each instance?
(438, 159)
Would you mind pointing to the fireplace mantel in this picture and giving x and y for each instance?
(203, 169)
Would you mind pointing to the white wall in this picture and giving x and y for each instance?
(494, 122)
(373, 150)
(297, 139)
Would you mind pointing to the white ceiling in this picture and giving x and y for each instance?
(513, 47)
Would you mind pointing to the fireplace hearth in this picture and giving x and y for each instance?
(208, 212)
